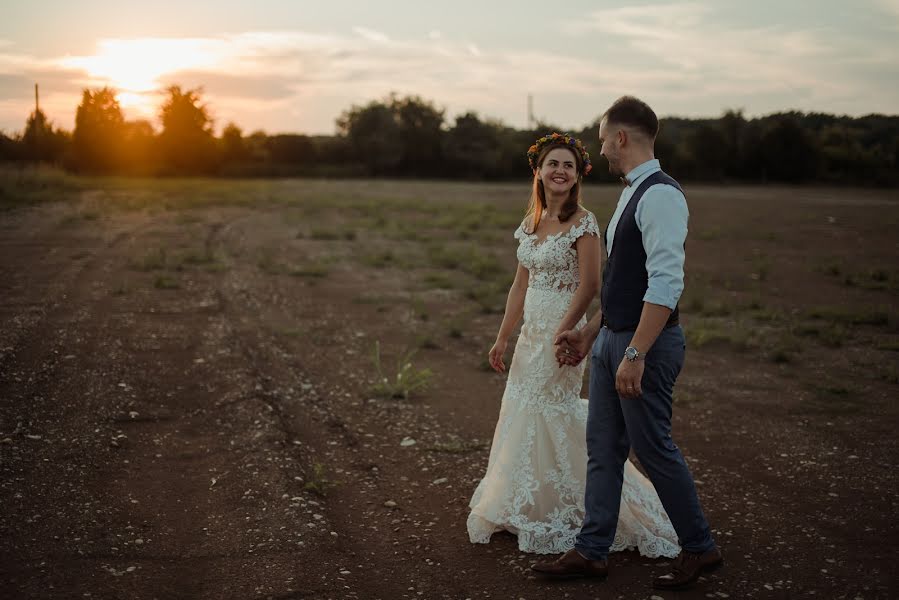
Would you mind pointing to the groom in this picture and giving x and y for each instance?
(636, 357)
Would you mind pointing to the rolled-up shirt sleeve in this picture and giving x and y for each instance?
(662, 219)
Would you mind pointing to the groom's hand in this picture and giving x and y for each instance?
(571, 347)
(629, 377)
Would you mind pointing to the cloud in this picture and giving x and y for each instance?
(682, 57)
(715, 57)
(371, 35)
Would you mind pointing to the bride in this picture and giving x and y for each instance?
(534, 484)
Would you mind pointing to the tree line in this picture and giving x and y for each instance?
(411, 137)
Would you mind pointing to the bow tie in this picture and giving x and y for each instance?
(625, 181)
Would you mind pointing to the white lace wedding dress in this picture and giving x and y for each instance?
(534, 485)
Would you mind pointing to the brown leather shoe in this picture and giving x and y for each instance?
(687, 568)
(571, 565)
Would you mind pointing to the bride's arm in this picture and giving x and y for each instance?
(587, 247)
(513, 314)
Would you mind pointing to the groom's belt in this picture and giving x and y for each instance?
(605, 323)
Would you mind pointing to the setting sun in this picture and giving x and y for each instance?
(134, 67)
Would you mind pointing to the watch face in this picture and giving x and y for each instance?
(631, 353)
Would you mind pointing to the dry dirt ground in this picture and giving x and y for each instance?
(188, 405)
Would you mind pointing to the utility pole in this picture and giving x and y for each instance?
(37, 105)
(531, 123)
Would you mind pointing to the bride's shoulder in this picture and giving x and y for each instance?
(525, 229)
(584, 214)
(585, 222)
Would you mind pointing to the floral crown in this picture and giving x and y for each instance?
(559, 139)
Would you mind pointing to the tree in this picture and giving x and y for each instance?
(140, 152)
(420, 124)
(186, 141)
(291, 149)
(397, 136)
(472, 148)
(790, 153)
(41, 142)
(374, 135)
(99, 133)
(10, 148)
(709, 150)
(733, 128)
(234, 150)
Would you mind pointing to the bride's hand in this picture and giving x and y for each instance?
(571, 347)
(495, 356)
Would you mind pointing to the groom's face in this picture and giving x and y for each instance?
(610, 147)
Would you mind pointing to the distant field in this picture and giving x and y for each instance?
(265, 299)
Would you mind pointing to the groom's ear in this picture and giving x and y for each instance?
(622, 137)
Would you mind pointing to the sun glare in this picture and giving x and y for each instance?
(134, 67)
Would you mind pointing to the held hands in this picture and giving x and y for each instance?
(571, 347)
(495, 356)
(629, 377)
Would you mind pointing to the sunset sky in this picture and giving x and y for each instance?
(294, 66)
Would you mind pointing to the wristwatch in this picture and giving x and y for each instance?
(632, 354)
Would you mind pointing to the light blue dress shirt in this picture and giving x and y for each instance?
(662, 217)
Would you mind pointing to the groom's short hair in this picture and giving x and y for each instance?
(633, 112)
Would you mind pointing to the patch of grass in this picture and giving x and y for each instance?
(419, 310)
(438, 280)
(317, 480)
(454, 329)
(490, 297)
(402, 383)
(82, 215)
(694, 303)
(332, 234)
(268, 264)
(685, 398)
(807, 330)
(703, 334)
(889, 373)
(426, 342)
(760, 269)
(291, 332)
(198, 257)
(768, 315)
(480, 265)
(369, 299)
(832, 269)
(710, 234)
(833, 399)
(215, 267)
(166, 282)
(152, 261)
(715, 308)
(315, 271)
(780, 355)
(484, 365)
(23, 185)
(875, 278)
(829, 334)
(444, 257)
(458, 447)
(379, 260)
(850, 315)
(755, 304)
(188, 218)
(891, 345)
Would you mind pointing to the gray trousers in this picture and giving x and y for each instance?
(616, 424)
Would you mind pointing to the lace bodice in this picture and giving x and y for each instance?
(552, 263)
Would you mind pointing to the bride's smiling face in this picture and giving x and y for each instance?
(559, 171)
